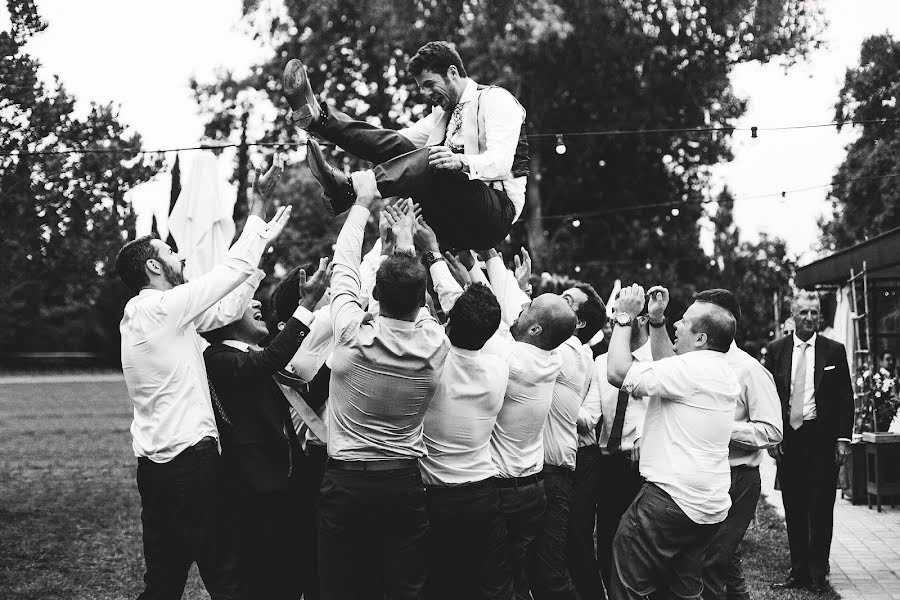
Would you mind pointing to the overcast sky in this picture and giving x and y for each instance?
(142, 54)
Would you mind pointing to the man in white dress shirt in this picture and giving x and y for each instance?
(550, 554)
(662, 538)
(174, 429)
(385, 369)
(517, 442)
(757, 427)
(468, 157)
(467, 545)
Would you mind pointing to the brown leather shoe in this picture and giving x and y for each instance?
(295, 86)
(338, 194)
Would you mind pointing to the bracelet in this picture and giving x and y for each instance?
(657, 324)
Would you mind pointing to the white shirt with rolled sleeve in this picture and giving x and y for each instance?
(503, 118)
(757, 416)
(688, 428)
(572, 383)
(162, 351)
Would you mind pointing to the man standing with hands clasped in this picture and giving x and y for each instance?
(813, 381)
(662, 537)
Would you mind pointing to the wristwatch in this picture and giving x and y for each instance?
(659, 323)
(432, 257)
(624, 319)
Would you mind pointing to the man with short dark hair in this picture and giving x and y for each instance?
(813, 381)
(385, 370)
(589, 308)
(174, 431)
(468, 157)
(662, 538)
(757, 427)
(260, 450)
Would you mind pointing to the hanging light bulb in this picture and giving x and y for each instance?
(560, 144)
(602, 163)
(648, 266)
(675, 212)
(576, 223)
(577, 269)
(753, 132)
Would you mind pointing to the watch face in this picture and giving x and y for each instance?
(623, 319)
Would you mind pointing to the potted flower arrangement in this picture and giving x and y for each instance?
(876, 402)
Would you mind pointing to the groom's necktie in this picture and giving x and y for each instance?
(615, 435)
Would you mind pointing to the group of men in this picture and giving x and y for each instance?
(409, 423)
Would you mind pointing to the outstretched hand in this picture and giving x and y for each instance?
(631, 300)
(276, 225)
(523, 270)
(312, 289)
(459, 272)
(264, 185)
(659, 300)
(424, 237)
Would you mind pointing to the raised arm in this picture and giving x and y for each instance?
(619, 359)
(196, 301)
(660, 344)
(346, 307)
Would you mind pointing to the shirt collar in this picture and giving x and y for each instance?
(535, 350)
(149, 291)
(396, 323)
(465, 351)
(811, 341)
(238, 345)
(643, 354)
(469, 91)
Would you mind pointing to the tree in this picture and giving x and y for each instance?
(576, 66)
(62, 216)
(758, 273)
(865, 194)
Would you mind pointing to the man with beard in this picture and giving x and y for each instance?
(174, 431)
(468, 157)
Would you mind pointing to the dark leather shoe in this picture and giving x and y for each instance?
(791, 583)
(338, 194)
(819, 586)
(295, 86)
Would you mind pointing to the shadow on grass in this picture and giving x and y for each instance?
(767, 558)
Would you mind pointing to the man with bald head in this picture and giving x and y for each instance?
(662, 538)
(528, 345)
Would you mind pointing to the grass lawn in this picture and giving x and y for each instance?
(70, 510)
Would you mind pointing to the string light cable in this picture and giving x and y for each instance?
(559, 136)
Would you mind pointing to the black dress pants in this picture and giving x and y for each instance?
(807, 473)
(550, 579)
(372, 524)
(723, 576)
(464, 213)
(622, 483)
(588, 491)
(183, 517)
(522, 504)
(467, 544)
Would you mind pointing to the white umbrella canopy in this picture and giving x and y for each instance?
(201, 221)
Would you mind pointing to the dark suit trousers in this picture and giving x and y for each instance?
(467, 545)
(807, 474)
(522, 507)
(550, 579)
(372, 522)
(622, 482)
(183, 518)
(589, 489)
(464, 213)
(723, 576)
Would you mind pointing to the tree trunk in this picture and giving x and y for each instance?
(534, 211)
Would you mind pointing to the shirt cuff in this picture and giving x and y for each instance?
(303, 315)
(256, 225)
(256, 277)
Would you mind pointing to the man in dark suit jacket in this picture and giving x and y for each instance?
(813, 381)
(260, 450)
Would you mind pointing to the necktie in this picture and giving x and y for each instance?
(615, 435)
(798, 388)
(454, 125)
(217, 404)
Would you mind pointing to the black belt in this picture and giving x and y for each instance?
(558, 469)
(518, 481)
(395, 464)
(207, 443)
(475, 485)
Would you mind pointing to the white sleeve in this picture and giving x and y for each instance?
(503, 118)
(419, 132)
